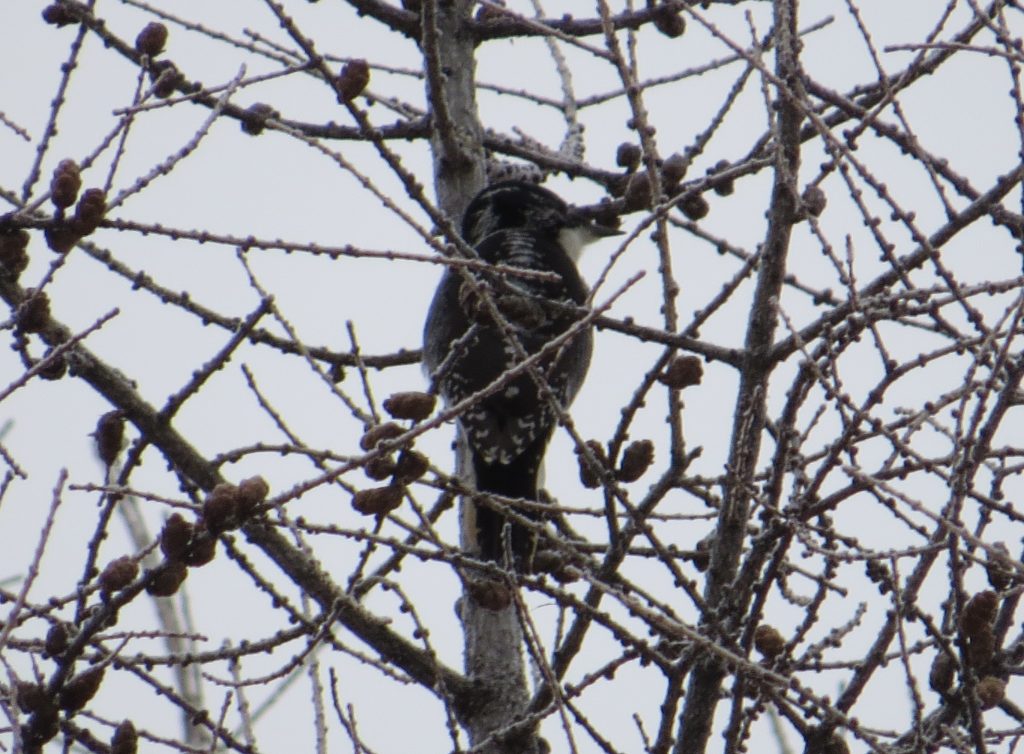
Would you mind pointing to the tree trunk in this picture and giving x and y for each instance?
(493, 638)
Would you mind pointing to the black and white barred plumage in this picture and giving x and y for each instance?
(505, 435)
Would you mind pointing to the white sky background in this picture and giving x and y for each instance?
(273, 187)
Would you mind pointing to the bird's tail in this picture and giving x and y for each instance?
(517, 479)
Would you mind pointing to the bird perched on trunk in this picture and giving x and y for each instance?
(502, 438)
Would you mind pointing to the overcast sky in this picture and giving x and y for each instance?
(275, 187)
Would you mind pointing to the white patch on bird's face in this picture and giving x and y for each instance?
(575, 237)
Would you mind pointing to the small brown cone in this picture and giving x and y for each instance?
(768, 641)
(979, 613)
(33, 314)
(125, 740)
(413, 405)
(109, 436)
(151, 39)
(375, 435)
(118, 574)
(167, 579)
(251, 493)
(589, 477)
(669, 21)
(814, 200)
(220, 508)
(682, 372)
(628, 156)
(355, 75)
(175, 537)
(991, 692)
(942, 673)
(378, 501)
(411, 466)
(636, 459)
(57, 639)
(79, 690)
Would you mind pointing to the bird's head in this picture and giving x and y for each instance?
(519, 204)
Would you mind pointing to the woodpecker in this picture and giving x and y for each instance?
(502, 438)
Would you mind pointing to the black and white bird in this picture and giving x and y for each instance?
(503, 437)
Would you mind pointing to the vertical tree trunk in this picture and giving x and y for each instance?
(493, 638)
(456, 136)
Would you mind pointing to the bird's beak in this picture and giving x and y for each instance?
(586, 225)
(575, 237)
(603, 231)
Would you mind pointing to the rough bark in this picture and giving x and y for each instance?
(493, 638)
